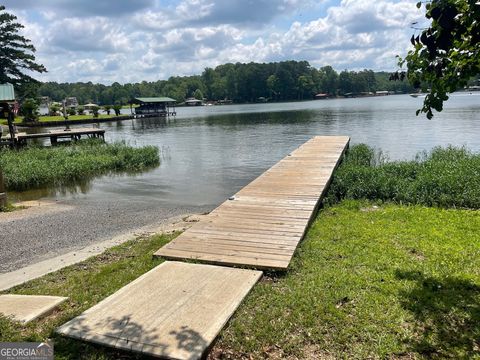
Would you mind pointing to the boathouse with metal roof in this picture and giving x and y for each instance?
(153, 106)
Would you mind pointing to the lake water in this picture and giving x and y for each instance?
(210, 152)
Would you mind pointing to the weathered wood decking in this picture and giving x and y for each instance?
(177, 309)
(174, 311)
(73, 134)
(263, 223)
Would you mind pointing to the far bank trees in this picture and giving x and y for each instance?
(280, 81)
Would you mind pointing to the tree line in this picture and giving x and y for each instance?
(277, 81)
(445, 58)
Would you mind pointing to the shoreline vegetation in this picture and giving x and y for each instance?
(388, 269)
(239, 83)
(446, 177)
(59, 120)
(35, 166)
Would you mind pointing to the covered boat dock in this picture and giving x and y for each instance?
(7, 106)
(153, 106)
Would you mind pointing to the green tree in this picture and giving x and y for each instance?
(198, 94)
(117, 108)
(231, 81)
(30, 110)
(328, 80)
(345, 82)
(366, 80)
(17, 57)
(305, 86)
(107, 109)
(94, 111)
(80, 110)
(272, 85)
(54, 109)
(286, 80)
(447, 53)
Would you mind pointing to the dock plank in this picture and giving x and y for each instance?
(55, 134)
(262, 224)
(174, 311)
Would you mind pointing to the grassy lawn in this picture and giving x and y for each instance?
(34, 167)
(368, 281)
(59, 118)
(74, 117)
(85, 284)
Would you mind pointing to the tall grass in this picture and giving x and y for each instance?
(444, 177)
(35, 167)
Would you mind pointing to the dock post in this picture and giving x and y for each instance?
(3, 195)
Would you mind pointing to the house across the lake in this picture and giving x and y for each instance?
(44, 103)
(71, 102)
(153, 106)
(321, 96)
(193, 102)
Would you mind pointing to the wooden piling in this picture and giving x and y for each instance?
(3, 195)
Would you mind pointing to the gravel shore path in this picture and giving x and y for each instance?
(53, 228)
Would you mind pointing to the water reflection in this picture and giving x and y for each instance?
(208, 153)
(80, 186)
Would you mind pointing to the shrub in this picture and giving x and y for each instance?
(30, 110)
(95, 110)
(35, 167)
(54, 109)
(445, 177)
(117, 108)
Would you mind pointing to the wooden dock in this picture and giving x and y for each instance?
(56, 134)
(263, 223)
(176, 310)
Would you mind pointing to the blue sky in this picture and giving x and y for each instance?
(135, 40)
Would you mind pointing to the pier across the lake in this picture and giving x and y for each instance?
(55, 135)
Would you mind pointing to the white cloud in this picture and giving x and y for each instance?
(154, 20)
(194, 9)
(185, 37)
(69, 8)
(91, 34)
(354, 34)
(251, 13)
(371, 15)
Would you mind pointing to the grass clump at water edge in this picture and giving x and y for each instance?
(34, 167)
(444, 177)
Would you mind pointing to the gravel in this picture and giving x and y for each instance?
(32, 235)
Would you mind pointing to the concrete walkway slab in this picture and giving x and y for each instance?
(174, 311)
(26, 308)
